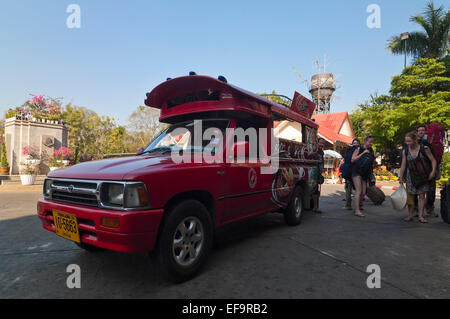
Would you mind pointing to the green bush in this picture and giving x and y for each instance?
(3, 159)
(10, 113)
(445, 165)
(442, 182)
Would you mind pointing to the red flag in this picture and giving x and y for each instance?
(302, 105)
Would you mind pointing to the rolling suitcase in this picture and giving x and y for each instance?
(376, 195)
(445, 207)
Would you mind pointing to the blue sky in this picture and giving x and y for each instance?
(125, 48)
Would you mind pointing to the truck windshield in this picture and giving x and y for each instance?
(182, 137)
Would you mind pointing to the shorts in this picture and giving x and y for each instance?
(355, 174)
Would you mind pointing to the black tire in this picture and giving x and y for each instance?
(191, 251)
(89, 248)
(294, 212)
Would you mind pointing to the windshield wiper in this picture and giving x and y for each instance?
(161, 150)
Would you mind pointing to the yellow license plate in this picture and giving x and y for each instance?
(66, 225)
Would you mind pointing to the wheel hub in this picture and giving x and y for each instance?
(188, 241)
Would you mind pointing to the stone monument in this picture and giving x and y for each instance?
(20, 132)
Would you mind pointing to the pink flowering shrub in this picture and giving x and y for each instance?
(60, 155)
(63, 153)
(39, 106)
(32, 152)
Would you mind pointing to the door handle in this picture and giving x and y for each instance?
(221, 173)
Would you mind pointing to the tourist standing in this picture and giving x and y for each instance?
(320, 179)
(430, 197)
(362, 166)
(418, 173)
(348, 179)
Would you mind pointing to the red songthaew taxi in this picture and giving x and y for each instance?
(219, 161)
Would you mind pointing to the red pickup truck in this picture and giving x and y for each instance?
(196, 176)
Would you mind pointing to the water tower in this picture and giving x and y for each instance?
(322, 89)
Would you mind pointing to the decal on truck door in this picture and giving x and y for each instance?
(252, 178)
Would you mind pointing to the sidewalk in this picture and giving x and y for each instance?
(20, 188)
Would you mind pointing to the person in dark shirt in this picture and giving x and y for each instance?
(320, 167)
(348, 181)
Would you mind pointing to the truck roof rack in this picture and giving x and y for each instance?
(198, 94)
(279, 95)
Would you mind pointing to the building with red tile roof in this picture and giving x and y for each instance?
(336, 129)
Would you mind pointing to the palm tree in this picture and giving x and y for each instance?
(433, 43)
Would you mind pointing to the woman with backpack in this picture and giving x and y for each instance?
(362, 166)
(347, 174)
(417, 170)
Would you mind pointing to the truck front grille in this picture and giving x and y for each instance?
(77, 192)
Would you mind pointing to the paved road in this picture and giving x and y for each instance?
(325, 257)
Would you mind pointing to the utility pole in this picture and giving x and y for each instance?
(404, 37)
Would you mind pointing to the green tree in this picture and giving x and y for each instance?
(420, 95)
(116, 142)
(275, 97)
(357, 120)
(432, 42)
(91, 135)
(143, 126)
(80, 123)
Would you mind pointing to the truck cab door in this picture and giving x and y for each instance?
(247, 191)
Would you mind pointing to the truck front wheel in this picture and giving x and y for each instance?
(185, 241)
(294, 212)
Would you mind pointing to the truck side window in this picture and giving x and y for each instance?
(251, 126)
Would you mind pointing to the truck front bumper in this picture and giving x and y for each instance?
(137, 230)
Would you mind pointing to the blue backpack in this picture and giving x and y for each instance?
(346, 169)
(364, 164)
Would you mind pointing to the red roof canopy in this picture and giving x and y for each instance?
(331, 124)
(232, 98)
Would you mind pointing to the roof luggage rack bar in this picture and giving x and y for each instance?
(279, 95)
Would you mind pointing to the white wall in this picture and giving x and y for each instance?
(346, 129)
(289, 131)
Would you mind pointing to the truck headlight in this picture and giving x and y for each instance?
(47, 187)
(112, 194)
(136, 196)
(124, 195)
